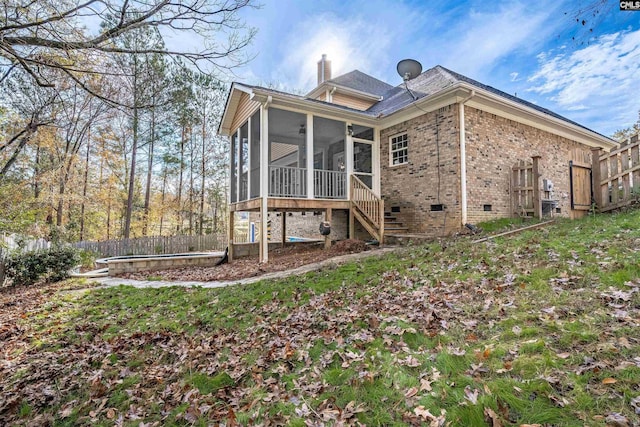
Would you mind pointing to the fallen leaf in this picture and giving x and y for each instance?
(492, 418)
(423, 413)
(471, 396)
(616, 420)
(425, 384)
(411, 392)
(609, 381)
(111, 413)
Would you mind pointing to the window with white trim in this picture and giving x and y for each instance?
(399, 149)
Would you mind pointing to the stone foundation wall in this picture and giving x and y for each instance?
(304, 225)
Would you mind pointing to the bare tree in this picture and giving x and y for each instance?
(40, 35)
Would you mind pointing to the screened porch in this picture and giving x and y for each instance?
(308, 157)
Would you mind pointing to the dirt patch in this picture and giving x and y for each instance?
(279, 259)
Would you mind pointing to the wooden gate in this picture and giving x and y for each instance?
(580, 182)
(525, 190)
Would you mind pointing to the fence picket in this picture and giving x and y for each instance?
(155, 245)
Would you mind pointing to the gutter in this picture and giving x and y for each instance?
(463, 159)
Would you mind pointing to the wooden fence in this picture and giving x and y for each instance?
(156, 245)
(525, 191)
(616, 175)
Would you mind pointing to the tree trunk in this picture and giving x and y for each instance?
(147, 192)
(164, 188)
(134, 150)
(191, 162)
(202, 172)
(179, 207)
(85, 185)
(36, 174)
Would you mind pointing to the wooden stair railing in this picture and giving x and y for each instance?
(367, 208)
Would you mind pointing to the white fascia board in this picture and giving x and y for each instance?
(309, 106)
(343, 89)
(233, 99)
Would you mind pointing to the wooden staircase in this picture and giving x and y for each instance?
(367, 208)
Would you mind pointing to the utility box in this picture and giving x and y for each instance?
(547, 185)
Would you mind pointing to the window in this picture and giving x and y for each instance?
(398, 150)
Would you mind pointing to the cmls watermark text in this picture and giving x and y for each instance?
(629, 5)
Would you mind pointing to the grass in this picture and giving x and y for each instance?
(537, 328)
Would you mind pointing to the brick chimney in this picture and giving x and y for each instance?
(324, 69)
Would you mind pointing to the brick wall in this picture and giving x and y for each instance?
(494, 144)
(415, 186)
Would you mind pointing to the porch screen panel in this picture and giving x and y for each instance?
(234, 167)
(287, 153)
(329, 175)
(255, 155)
(244, 161)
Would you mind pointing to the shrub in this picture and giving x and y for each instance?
(51, 265)
(88, 258)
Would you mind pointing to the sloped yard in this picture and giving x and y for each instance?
(539, 328)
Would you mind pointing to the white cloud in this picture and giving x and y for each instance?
(488, 37)
(602, 76)
(514, 76)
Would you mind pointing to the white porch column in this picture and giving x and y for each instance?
(348, 159)
(376, 167)
(249, 158)
(264, 182)
(310, 155)
(238, 168)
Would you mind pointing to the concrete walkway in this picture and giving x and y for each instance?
(327, 263)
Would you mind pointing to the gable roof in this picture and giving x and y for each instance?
(437, 86)
(357, 80)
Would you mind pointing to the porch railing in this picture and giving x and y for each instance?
(285, 181)
(368, 208)
(330, 184)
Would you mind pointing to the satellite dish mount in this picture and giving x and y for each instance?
(409, 69)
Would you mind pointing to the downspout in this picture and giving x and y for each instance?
(330, 98)
(463, 160)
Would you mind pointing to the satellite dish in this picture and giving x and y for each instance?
(409, 69)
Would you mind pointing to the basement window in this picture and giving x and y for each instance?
(395, 209)
(487, 208)
(437, 208)
(558, 210)
(399, 149)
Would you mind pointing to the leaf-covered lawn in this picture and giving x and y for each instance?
(539, 328)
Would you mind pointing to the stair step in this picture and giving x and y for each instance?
(394, 228)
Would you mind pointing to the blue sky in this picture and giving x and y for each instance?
(534, 49)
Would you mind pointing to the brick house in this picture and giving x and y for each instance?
(433, 153)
